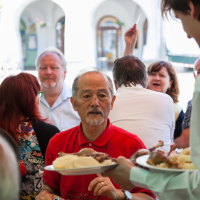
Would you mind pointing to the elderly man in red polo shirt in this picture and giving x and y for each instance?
(93, 98)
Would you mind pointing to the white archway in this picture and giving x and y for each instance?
(11, 39)
(125, 11)
(150, 10)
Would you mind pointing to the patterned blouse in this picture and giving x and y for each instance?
(186, 121)
(31, 163)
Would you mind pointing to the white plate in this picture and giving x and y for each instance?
(82, 171)
(142, 160)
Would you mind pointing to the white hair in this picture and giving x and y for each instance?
(91, 69)
(52, 50)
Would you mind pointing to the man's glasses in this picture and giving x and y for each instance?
(40, 93)
(78, 195)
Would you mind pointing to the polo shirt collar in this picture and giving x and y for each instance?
(101, 140)
(64, 95)
(66, 92)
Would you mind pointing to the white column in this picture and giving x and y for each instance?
(152, 10)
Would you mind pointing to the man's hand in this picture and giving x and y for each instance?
(46, 195)
(121, 174)
(131, 36)
(103, 186)
(184, 140)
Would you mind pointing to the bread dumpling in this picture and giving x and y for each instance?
(59, 163)
(81, 162)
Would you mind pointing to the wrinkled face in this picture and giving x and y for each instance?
(93, 99)
(51, 72)
(159, 81)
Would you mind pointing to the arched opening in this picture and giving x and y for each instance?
(28, 40)
(60, 34)
(38, 23)
(108, 41)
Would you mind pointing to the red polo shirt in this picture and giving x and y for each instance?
(114, 141)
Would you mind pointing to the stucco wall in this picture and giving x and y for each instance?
(81, 18)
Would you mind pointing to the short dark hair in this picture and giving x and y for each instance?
(129, 70)
(87, 70)
(180, 6)
(173, 92)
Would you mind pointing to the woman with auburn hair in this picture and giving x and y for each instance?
(162, 77)
(20, 117)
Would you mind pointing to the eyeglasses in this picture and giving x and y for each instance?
(40, 93)
(78, 195)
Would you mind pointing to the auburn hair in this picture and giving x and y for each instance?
(18, 102)
(173, 92)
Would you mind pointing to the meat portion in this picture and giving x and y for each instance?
(82, 152)
(159, 156)
(62, 154)
(85, 151)
(101, 157)
(160, 144)
(142, 152)
(88, 152)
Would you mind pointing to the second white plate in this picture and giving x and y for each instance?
(142, 160)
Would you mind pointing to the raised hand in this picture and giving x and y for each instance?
(131, 36)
